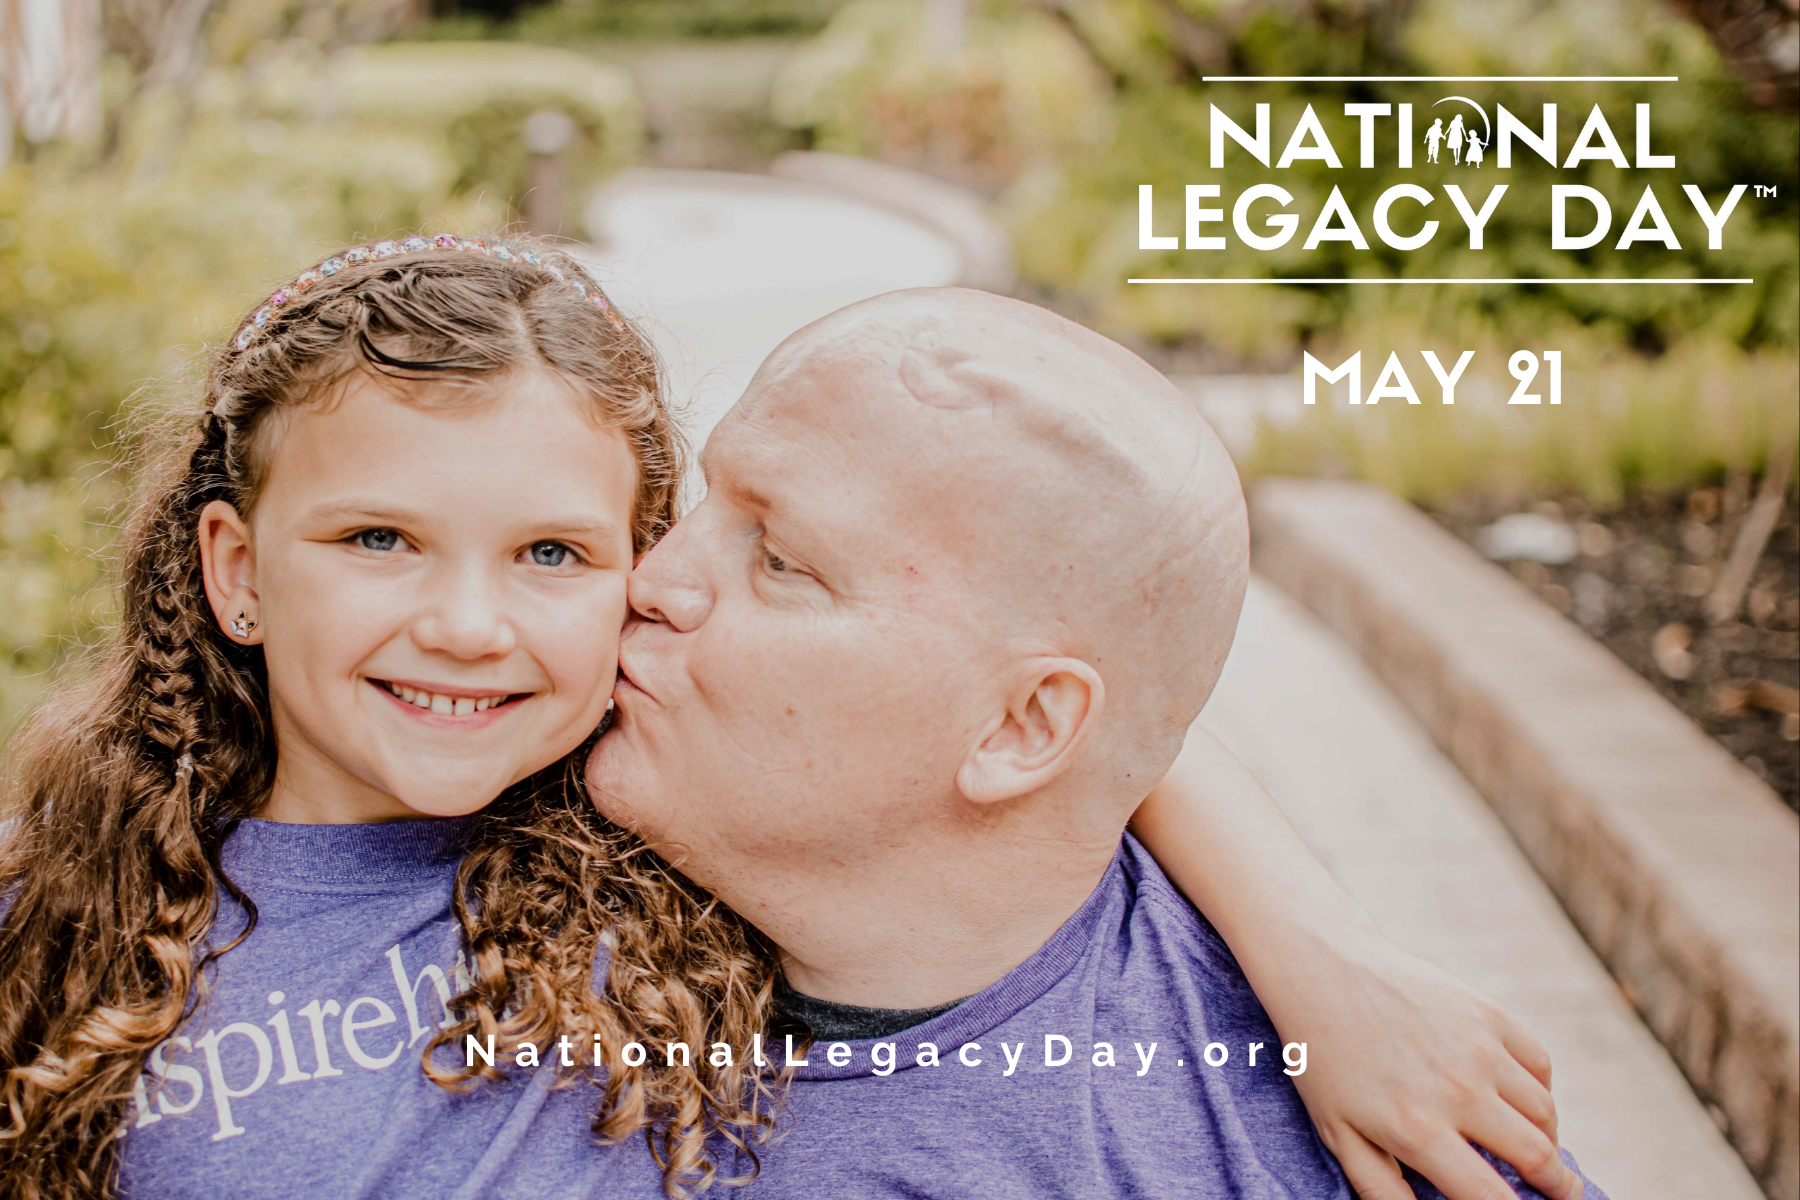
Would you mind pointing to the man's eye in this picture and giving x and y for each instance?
(549, 554)
(775, 561)
(379, 540)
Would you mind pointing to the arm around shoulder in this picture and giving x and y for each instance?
(1407, 1063)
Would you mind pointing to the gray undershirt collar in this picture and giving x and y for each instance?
(830, 1021)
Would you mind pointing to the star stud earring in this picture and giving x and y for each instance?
(242, 624)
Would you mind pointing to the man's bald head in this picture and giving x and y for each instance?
(1085, 504)
(955, 552)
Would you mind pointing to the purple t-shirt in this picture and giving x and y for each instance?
(1085, 1072)
(300, 1078)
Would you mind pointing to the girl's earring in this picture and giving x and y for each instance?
(242, 624)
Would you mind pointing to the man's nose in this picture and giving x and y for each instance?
(468, 621)
(667, 585)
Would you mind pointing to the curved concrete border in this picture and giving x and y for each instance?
(1679, 866)
(959, 215)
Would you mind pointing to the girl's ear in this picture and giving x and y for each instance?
(228, 568)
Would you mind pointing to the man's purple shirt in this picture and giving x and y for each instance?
(1136, 970)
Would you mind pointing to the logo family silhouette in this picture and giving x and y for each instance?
(1464, 144)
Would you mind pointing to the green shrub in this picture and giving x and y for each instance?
(471, 100)
(1626, 423)
(563, 23)
(873, 84)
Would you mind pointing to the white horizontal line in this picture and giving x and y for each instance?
(1440, 78)
(1455, 280)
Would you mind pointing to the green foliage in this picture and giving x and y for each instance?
(873, 84)
(1626, 423)
(564, 24)
(490, 154)
(471, 100)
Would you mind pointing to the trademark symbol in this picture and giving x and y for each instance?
(1765, 192)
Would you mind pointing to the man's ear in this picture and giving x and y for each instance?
(1047, 718)
(228, 569)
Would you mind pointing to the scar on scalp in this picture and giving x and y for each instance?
(941, 376)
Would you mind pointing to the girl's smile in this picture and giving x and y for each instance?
(450, 707)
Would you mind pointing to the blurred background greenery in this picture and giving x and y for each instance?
(210, 148)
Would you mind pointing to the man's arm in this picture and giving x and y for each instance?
(1408, 1063)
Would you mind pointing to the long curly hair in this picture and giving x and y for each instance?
(126, 783)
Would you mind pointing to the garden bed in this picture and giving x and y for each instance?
(1638, 581)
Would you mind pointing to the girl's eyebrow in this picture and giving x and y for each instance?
(569, 523)
(579, 524)
(365, 510)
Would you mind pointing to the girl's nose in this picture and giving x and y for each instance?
(469, 623)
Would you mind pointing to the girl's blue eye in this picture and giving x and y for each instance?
(549, 554)
(380, 540)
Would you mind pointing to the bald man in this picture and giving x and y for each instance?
(964, 575)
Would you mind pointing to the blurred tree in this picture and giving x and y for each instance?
(571, 22)
(1182, 40)
(496, 11)
(1760, 41)
(165, 44)
(49, 70)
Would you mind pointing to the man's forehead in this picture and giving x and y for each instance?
(835, 486)
(763, 443)
(920, 434)
(796, 462)
(815, 412)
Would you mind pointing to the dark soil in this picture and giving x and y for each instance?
(1644, 570)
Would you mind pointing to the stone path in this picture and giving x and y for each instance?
(725, 266)
(1420, 849)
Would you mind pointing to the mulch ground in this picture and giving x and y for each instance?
(1638, 584)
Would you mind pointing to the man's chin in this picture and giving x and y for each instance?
(612, 769)
(630, 778)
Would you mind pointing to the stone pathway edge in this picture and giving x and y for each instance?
(956, 213)
(1680, 867)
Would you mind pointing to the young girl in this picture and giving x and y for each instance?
(381, 579)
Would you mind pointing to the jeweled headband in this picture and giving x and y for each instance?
(259, 319)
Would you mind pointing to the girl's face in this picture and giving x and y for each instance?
(438, 591)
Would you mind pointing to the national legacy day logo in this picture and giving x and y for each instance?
(1466, 144)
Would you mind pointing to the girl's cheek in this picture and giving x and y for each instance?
(582, 649)
(323, 585)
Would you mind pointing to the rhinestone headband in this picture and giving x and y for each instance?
(259, 320)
